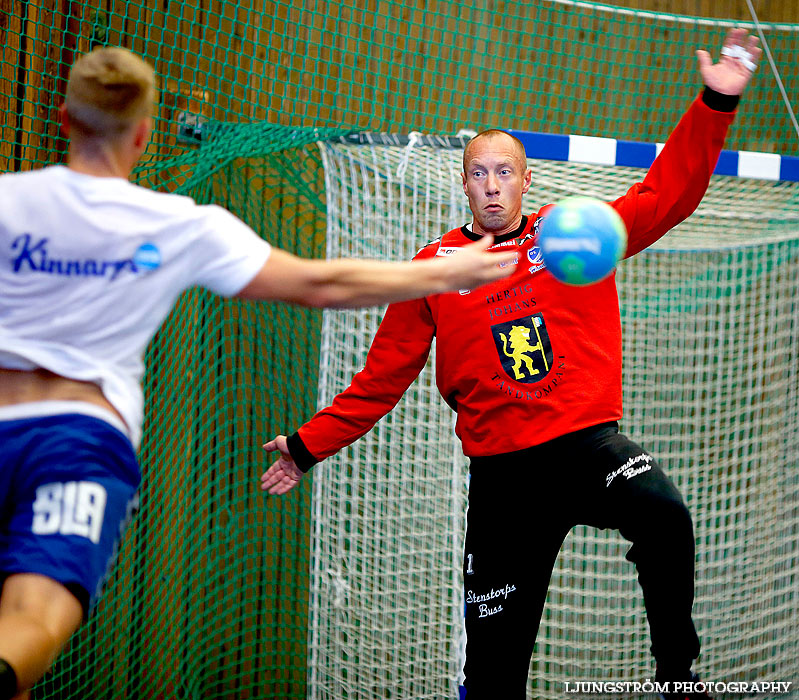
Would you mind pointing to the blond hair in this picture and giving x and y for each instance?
(109, 90)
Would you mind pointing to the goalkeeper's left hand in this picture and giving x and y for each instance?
(739, 57)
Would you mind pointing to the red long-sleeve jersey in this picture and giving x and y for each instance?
(525, 359)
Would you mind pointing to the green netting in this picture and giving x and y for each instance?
(430, 66)
(710, 387)
(210, 596)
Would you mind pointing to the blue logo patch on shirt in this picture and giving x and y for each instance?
(147, 256)
(536, 257)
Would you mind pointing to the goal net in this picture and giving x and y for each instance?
(711, 381)
(216, 584)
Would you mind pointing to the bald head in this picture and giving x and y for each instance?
(516, 146)
(495, 178)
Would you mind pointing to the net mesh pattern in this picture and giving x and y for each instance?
(216, 593)
(710, 386)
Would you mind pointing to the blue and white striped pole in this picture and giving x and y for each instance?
(604, 151)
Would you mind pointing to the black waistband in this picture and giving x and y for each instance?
(479, 463)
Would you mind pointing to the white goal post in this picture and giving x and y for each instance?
(711, 387)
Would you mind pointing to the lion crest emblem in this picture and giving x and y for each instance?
(524, 348)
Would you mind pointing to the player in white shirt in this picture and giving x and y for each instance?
(90, 265)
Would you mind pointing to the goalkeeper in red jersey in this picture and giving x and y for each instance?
(533, 369)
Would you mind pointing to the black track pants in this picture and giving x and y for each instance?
(522, 505)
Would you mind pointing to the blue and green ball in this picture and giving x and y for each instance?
(582, 239)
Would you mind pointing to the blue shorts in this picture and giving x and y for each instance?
(67, 492)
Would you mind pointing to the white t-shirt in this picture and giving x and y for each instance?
(90, 266)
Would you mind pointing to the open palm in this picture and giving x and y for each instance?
(739, 56)
(284, 474)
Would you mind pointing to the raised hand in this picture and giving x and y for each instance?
(284, 474)
(739, 57)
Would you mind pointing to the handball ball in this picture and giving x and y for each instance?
(582, 239)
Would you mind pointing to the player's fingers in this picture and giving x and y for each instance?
(749, 53)
(736, 35)
(740, 50)
(277, 470)
(269, 483)
(278, 443)
(506, 258)
(283, 486)
(270, 486)
(501, 265)
(268, 477)
(704, 59)
(483, 243)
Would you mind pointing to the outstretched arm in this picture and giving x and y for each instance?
(678, 179)
(349, 283)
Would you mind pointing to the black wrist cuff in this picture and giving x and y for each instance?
(720, 102)
(299, 452)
